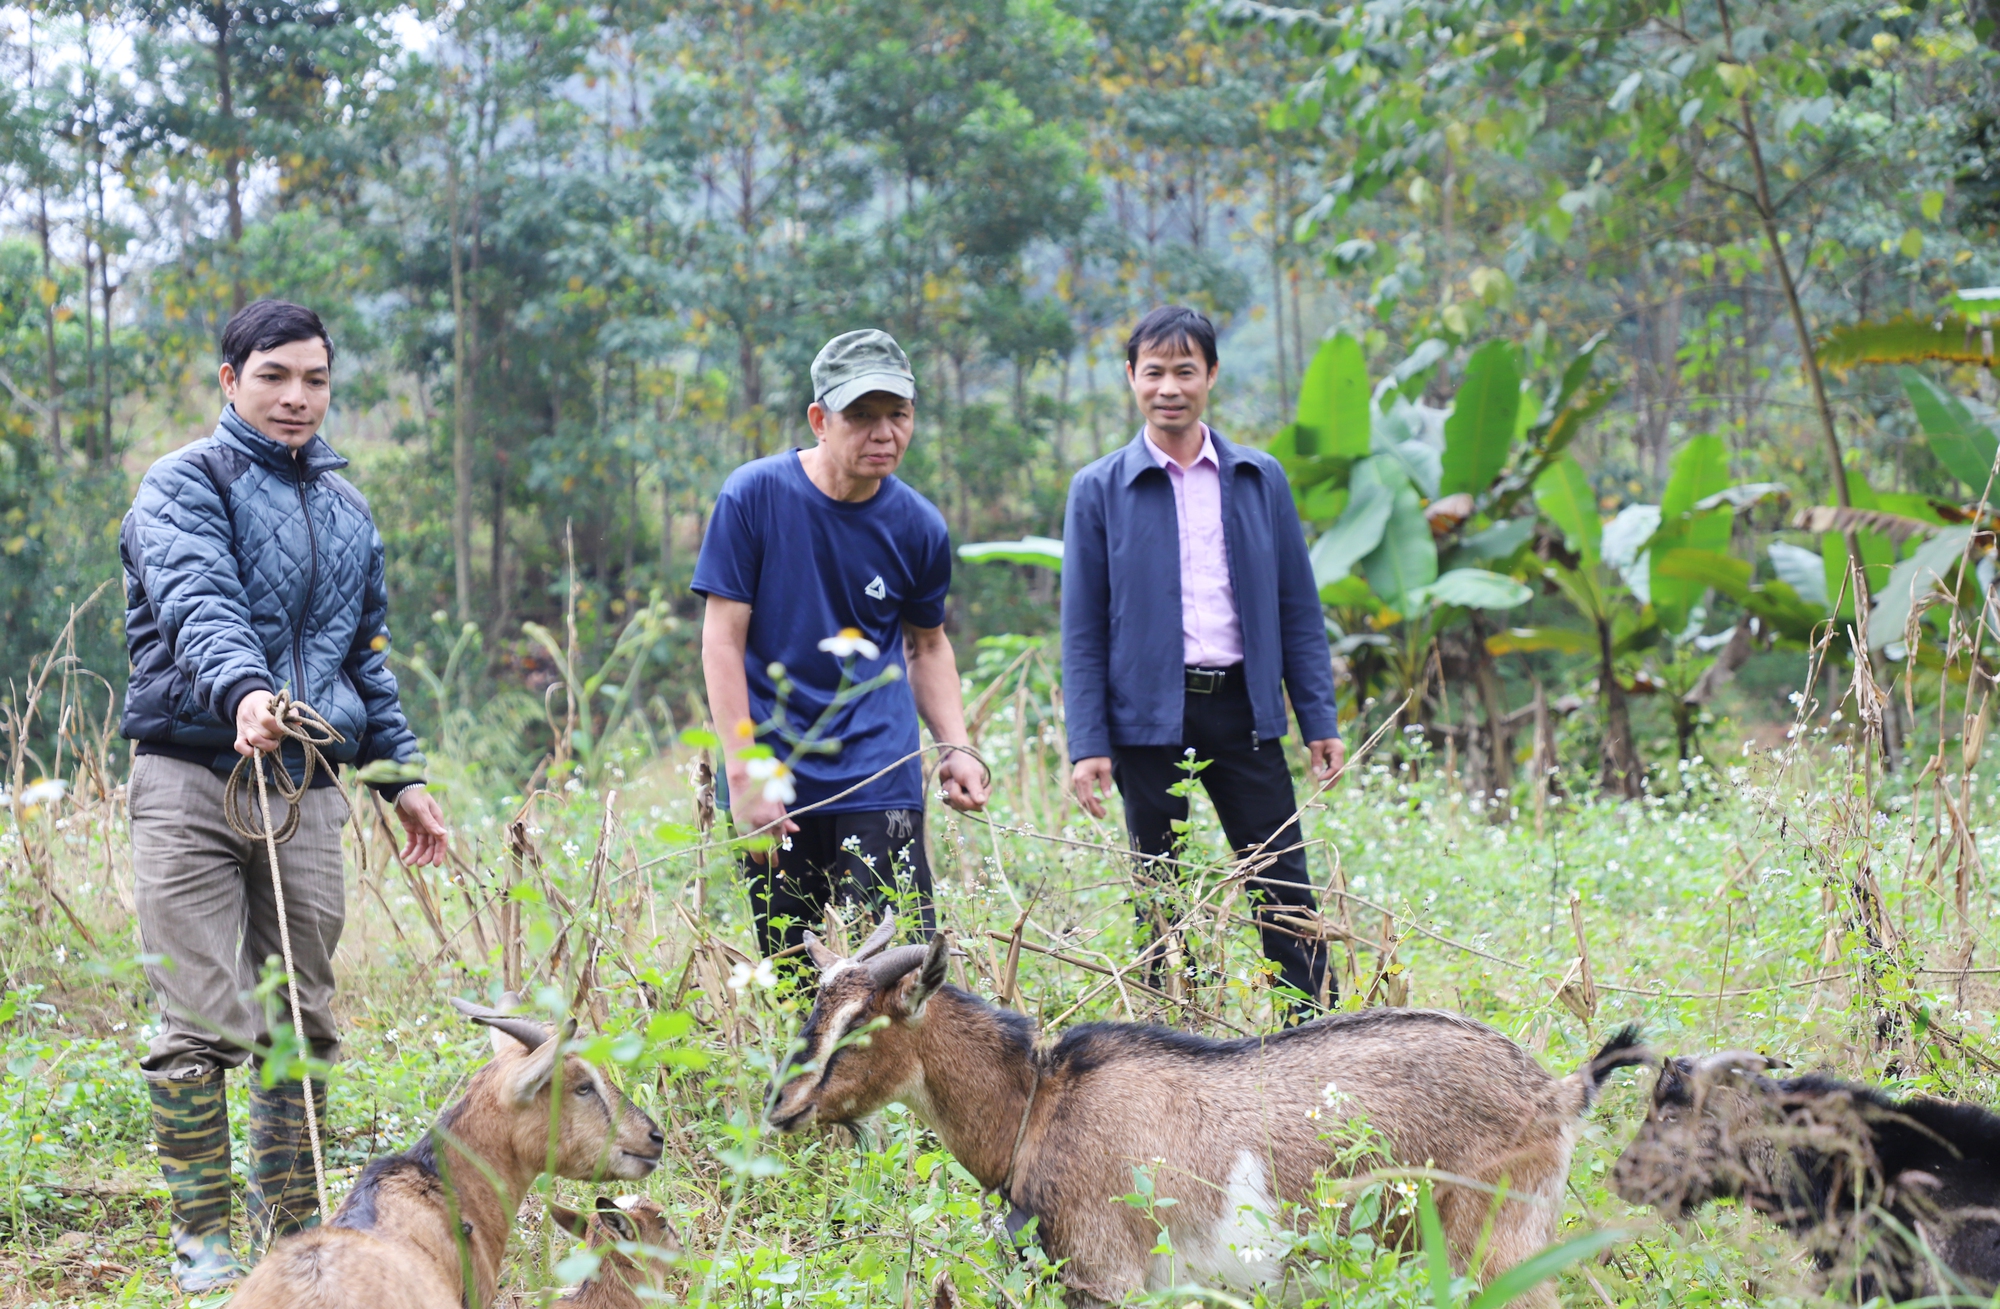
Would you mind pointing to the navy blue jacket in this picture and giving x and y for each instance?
(1121, 602)
(247, 569)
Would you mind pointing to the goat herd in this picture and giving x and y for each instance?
(1899, 1198)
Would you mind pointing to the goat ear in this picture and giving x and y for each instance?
(618, 1223)
(823, 958)
(931, 973)
(534, 1075)
(568, 1219)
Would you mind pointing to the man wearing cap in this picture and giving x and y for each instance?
(822, 571)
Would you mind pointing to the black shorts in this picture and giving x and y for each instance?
(870, 860)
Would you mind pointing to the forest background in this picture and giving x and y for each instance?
(576, 259)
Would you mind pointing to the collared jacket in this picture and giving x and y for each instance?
(247, 568)
(1123, 682)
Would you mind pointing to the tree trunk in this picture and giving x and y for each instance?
(220, 16)
(1620, 771)
(89, 349)
(48, 280)
(1499, 737)
(1278, 286)
(461, 407)
(498, 560)
(49, 328)
(1767, 215)
(106, 291)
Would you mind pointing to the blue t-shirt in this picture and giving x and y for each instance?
(808, 566)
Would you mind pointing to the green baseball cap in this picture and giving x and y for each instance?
(855, 363)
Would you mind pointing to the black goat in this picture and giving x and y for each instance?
(1892, 1197)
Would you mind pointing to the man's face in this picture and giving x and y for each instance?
(1171, 385)
(867, 439)
(282, 392)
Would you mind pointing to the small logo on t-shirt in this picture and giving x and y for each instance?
(875, 590)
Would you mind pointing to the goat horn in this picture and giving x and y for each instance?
(1736, 1061)
(890, 968)
(878, 939)
(822, 957)
(527, 1031)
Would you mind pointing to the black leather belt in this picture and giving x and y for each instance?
(1207, 681)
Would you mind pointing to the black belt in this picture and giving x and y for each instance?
(1207, 681)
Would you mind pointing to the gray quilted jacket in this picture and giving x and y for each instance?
(248, 569)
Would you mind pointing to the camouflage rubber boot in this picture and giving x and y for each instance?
(283, 1195)
(191, 1128)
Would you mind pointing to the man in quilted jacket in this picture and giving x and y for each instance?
(251, 566)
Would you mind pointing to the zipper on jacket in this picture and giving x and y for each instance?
(312, 583)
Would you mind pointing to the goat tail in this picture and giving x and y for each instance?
(1625, 1049)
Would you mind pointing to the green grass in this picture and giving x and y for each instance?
(1744, 863)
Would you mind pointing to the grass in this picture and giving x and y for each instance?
(1792, 904)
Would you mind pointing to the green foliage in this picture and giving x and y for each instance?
(1963, 444)
(1037, 551)
(1701, 470)
(1405, 560)
(1563, 493)
(1479, 435)
(1334, 411)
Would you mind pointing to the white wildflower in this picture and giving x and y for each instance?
(742, 975)
(776, 777)
(848, 642)
(46, 791)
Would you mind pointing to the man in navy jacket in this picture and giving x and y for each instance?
(1188, 612)
(251, 565)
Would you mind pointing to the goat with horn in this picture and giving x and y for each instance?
(1228, 1128)
(428, 1228)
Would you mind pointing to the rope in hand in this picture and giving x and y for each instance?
(299, 722)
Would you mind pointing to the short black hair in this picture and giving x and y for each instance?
(1173, 325)
(268, 324)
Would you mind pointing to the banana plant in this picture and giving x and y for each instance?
(1411, 502)
(1637, 582)
(1939, 540)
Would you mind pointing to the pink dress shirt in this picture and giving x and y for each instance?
(1211, 637)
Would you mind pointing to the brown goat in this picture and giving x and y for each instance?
(1884, 1192)
(632, 1220)
(1231, 1130)
(428, 1228)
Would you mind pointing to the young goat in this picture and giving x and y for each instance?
(1230, 1129)
(1867, 1181)
(427, 1228)
(633, 1220)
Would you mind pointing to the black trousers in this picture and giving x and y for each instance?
(874, 858)
(1250, 785)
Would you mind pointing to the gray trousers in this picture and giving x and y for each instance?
(210, 922)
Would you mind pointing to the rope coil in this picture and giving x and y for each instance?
(299, 722)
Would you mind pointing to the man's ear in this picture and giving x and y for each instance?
(930, 974)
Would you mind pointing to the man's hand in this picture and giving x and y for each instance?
(1091, 780)
(752, 811)
(423, 824)
(963, 779)
(1328, 757)
(257, 728)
